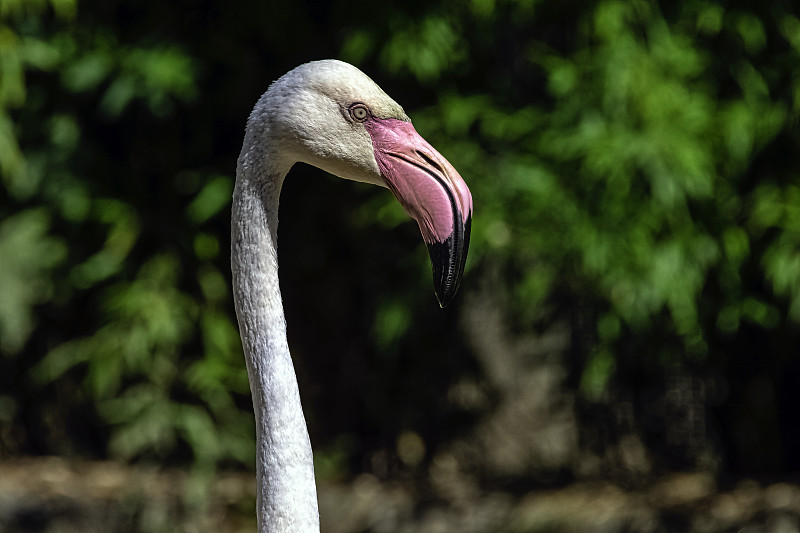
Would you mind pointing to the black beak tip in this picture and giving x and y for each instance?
(445, 295)
(448, 259)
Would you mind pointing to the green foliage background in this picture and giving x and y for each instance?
(634, 166)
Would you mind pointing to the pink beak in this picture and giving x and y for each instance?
(431, 192)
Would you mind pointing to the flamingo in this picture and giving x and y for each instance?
(331, 115)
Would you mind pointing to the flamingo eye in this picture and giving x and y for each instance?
(359, 112)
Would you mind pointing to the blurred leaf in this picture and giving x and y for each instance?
(201, 432)
(121, 238)
(12, 84)
(752, 33)
(145, 421)
(28, 254)
(88, 71)
(212, 198)
(426, 48)
(357, 46)
(119, 94)
(391, 323)
(12, 164)
(596, 374)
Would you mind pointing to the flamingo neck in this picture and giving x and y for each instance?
(287, 497)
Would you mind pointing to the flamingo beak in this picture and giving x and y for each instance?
(432, 192)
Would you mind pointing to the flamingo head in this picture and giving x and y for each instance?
(331, 115)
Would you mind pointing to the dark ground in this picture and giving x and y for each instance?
(52, 495)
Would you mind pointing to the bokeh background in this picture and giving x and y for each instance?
(623, 355)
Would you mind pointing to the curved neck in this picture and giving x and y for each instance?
(287, 497)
